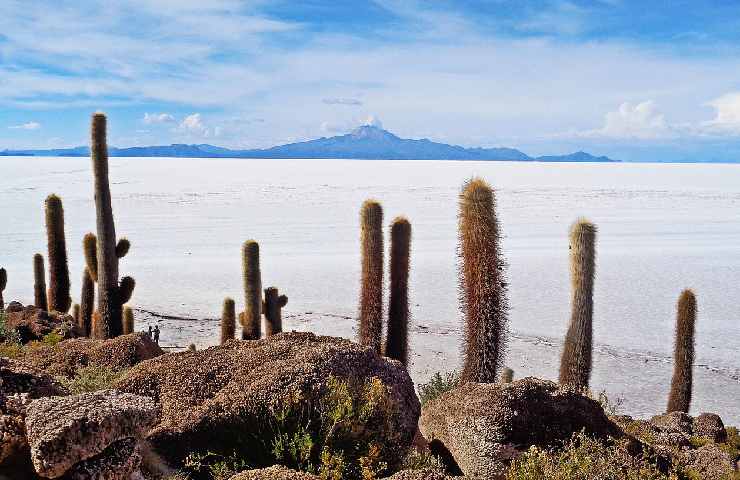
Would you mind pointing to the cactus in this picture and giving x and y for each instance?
(191, 347)
(39, 283)
(98, 329)
(59, 299)
(90, 247)
(507, 375)
(371, 288)
(87, 303)
(251, 318)
(679, 399)
(396, 341)
(228, 320)
(76, 313)
(128, 320)
(482, 286)
(122, 247)
(3, 284)
(575, 363)
(111, 295)
(274, 302)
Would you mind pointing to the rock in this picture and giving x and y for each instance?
(215, 398)
(117, 462)
(276, 472)
(709, 462)
(12, 436)
(63, 431)
(117, 353)
(710, 426)
(13, 307)
(674, 422)
(482, 427)
(425, 474)
(32, 323)
(18, 377)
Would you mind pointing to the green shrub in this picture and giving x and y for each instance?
(611, 408)
(10, 341)
(91, 378)
(437, 385)
(51, 339)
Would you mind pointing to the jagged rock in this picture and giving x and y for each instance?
(710, 426)
(276, 472)
(13, 307)
(63, 431)
(117, 462)
(709, 462)
(19, 377)
(117, 353)
(674, 422)
(32, 323)
(213, 399)
(482, 427)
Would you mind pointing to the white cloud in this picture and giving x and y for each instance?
(373, 121)
(192, 126)
(642, 121)
(342, 101)
(727, 115)
(26, 126)
(156, 118)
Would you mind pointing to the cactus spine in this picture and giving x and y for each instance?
(575, 363)
(39, 283)
(87, 302)
(111, 295)
(679, 399)
(274, 302)
(371, 288)
(228, 320)
(128, 320)
(3, 284)
(251, 318)
(396, 341)
(482, 285)
(507, 375)
(59, 299)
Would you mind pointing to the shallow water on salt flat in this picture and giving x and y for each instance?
(662, 228)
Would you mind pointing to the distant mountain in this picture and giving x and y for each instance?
(366, 142)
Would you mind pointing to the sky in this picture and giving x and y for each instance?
(634, 80)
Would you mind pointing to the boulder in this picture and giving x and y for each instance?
(482, 427)
(219, 398)
(711, 427)
(117, 354)
(64, 431)
(12, 432)
(674, 422)
(276, 472)
(709, 462)
(17, 377)
(424, 474)
(32, 323)
(117, 462)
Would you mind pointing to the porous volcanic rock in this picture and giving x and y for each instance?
(117, 462)
(215, 398)
(710, 462)
(32, 323)
(674, 422)
(63, 431)
(484, 426)
(117, 353)
(710, 426)
(424, 474)
(276, 472)
(18, 377)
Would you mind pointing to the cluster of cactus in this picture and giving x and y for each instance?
(59, 299)
(3, 284)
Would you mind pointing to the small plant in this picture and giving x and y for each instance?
(611, 408)
(437, 385)
(215, 466)
(679, 399)
(10, 341)
(91, 378)
(51, 339)
(58, 298)
(423, 460)
(371, 287)
(396, 340)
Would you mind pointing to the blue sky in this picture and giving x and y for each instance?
(631, 79)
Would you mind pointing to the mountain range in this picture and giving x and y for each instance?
(365, 142)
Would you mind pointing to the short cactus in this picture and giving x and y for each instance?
(122, 247)
(251, 318)
(76, 313)
(228, 320)
(191, 347)
(87, 303)
(39, 283)
(128, 320)
(482, 286)
(507, 375)
(59, 299)
(679, 399)
(90, 247)
(575, 363)
(3, 284)
(371, 287)
(396, 341)
(274, 302)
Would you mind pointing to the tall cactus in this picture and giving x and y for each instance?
(371, 288)
(396, 341)
(128, 320)
(274, 302)
(3, 284)
(575, 363)
(39, 283)
(87, 302)
(482, 285)
(679, 399)
(59, 299)
(111, 294)
(251, 318)
(228, 320)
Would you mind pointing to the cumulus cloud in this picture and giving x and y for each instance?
(194, 126)
(373, 121)
(26, 126)
(640, 121)
(727, 115)
(342, 101)
(155, 118)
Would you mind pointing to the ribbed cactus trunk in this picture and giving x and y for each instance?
(679, 399)
(482, 284)
(128, 320)
(87, 302)
(59, 299)
(110, 303)
(274, 302)
(3, 284)
(39, 283)
(575, 363)
(251, 318)
(507, 375)
(228, 320)
(90, 247)
(371, 286)
(396, 340)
